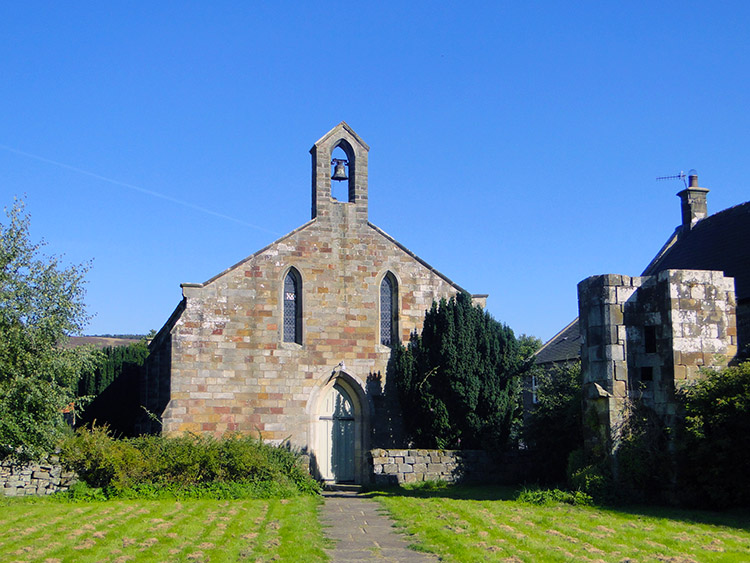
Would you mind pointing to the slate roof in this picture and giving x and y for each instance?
(565, 345)
(718, 242)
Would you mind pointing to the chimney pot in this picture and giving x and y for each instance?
(694, 206)
(693, 178)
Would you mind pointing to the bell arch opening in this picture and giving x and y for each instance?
(342, 150)
(340, 165)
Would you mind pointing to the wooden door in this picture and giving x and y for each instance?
(336, 460)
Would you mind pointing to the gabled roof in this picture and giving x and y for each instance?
(719, 242)
(343, 126)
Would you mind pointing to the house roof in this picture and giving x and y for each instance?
(564, 346)
(718, 242)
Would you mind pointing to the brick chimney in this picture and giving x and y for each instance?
(694, 206)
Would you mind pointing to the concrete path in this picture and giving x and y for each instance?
(361, 532)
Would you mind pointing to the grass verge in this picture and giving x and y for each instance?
(161, 530)
(488, 524)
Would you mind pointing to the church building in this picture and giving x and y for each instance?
(295, 341)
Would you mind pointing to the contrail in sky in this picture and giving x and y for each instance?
(137, 189)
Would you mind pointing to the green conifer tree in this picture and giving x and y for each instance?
(459, 381)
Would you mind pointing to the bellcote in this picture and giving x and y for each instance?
(324, 205)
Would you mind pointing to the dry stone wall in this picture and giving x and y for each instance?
(43, 478)
(398, 466)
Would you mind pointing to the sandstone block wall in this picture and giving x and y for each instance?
(42, 478)
(230, 369)
(398, 466)
(409, 466)
(643, 337)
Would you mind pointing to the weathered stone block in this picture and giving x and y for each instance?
(614, 352)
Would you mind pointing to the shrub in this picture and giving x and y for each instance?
(716, 438)
(554, 496)
(80, 491)
(590, 477)
(154, 465)
(644, 461)
(555, 426)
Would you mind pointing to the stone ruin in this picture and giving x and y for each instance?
(643, 338)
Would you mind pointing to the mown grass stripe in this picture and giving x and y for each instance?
(159, 530)
(462, 529)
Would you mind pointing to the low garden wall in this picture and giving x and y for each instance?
(391, 467)
(43, 478)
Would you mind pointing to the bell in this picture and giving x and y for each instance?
(339, 173)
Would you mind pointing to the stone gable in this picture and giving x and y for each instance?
(221, 363)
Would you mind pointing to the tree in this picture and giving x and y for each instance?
(554, 427)
(113, 388)
(716, 439)
(40, 303)
(459, 382)
(528, 345)
(115, 361)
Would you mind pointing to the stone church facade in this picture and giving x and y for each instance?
(295, 341)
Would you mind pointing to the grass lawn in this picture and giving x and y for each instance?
(485, 524)
(159, 530)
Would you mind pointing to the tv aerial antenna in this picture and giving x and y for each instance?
(681, 176)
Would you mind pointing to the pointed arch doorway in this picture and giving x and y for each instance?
(339, 431)
(336, 426)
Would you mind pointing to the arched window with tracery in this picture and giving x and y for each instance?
(388, 310)
(293, 307)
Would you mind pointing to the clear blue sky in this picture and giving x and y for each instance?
(513, 145)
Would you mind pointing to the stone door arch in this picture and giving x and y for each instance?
(336, 421)
(338, 432)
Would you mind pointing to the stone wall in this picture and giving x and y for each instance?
(42, 478)
(394, 467)
(644, 337)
